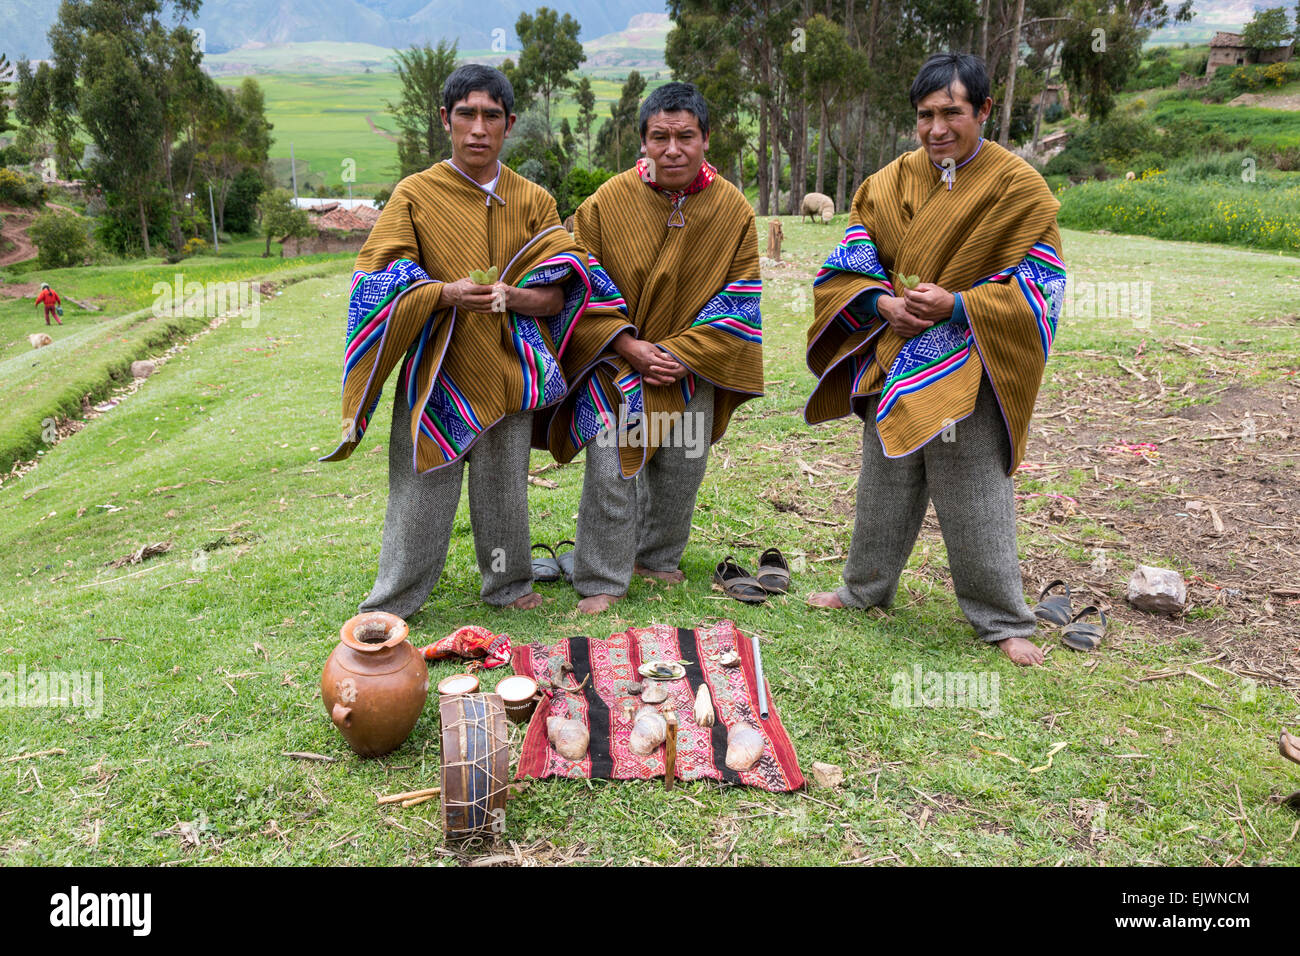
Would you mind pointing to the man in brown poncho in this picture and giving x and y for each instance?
(477, 358)
(672, 246)
(934, 318)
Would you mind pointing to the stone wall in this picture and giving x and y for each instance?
(324, 242)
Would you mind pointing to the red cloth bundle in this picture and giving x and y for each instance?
(471, 641)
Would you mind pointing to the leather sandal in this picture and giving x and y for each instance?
(1084, 635)
(735, 582)
(546, 570)
(773, 574)
(565, 559)
(1055, 609)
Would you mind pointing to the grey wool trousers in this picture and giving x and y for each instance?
(974, 498)
(421, 509)
(646, 520)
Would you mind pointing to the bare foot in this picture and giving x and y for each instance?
(1023, 652)
(597, 603)
(669, 577)
(526, 603)
(825, 599)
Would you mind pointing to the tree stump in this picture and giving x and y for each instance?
(774, 237)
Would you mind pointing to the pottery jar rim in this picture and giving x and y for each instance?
(395, 628)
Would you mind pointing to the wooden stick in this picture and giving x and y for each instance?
(411, 795)
(418, 800)
(759, 680)
(670, 750)
(59, 751)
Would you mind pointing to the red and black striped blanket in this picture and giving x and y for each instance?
(613, 664)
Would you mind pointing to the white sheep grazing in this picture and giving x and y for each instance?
(817, 204)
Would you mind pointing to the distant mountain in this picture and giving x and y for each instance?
(232, 24)
(229, 24)
(639, 46)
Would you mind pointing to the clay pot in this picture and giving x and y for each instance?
(374, 684)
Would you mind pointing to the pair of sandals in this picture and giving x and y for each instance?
(772, 577)
(1076, 633)
(559, 566)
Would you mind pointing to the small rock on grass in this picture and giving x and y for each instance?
(1157, 590)
(142, 369)
(827, 775)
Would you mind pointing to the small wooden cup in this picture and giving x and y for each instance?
(458, 684)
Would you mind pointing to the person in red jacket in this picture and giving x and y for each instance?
(51, 300)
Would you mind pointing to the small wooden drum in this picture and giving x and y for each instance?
(475, 765)
(520, 697)
(458, 684)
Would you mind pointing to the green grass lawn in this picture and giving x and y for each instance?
(211, 653)
(93, 349)
(1238, 126)
(1261, 214)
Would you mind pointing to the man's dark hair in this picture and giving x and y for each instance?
(675, 98)
(472, 77)
(938, 72)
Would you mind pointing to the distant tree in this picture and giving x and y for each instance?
(530, 151)
(577, 186)
(619, 142)
(1103, 45)
(568, 142)
(524, 94)
(129, 79)
(282, 220)
(698, 52)
(551, 51)
(586, 98)
(422, 141)
(835, 71)
(255, 131)
(60, 238)
(240, 213)
(231, 136)
(5, 68)
(1267, 29)
(48, 131)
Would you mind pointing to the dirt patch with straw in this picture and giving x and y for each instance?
(1209, 489)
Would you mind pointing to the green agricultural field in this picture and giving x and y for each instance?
(327, 119)
(322, 56)
(1162, 744)
(330, 119)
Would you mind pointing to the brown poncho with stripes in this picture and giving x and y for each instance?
(990, 237)
(693, 289)
(462, 372)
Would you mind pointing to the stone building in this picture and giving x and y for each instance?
(1229, 49)
(338, 229)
